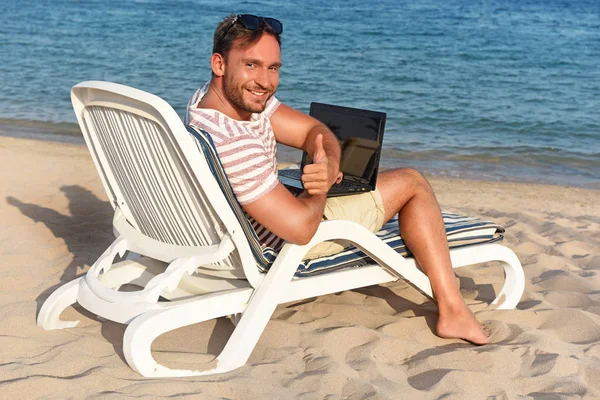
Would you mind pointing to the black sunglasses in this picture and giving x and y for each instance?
(255, 23)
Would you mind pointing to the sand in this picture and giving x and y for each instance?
(371, 343)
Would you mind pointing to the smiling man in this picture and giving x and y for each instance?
(238, 109)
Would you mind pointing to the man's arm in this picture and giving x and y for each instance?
(296, 129)
(294, 219)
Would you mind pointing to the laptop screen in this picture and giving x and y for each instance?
(360, 134)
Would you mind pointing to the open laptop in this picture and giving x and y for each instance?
(360, 133)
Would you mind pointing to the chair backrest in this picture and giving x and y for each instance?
(154, 172)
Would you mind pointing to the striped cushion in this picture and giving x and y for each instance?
(461, 230)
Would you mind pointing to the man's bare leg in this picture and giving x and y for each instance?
(407, 193)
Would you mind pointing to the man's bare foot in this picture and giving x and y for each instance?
(460, 323)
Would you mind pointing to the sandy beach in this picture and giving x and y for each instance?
(371, 343)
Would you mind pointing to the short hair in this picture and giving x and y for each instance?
(228, 31)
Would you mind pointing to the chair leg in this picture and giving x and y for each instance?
(264, 300)
(235, 318)
(49, 315)
(514, 283)
(256, 305)
(144, 329)
(126, 272)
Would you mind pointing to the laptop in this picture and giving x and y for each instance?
(360, 134)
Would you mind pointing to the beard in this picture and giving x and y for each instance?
(235, 95)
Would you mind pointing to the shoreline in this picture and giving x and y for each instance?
(32, 131)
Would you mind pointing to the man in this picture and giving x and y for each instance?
(238, 109)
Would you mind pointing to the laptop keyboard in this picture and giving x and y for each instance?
(291, 173)
(343, 185)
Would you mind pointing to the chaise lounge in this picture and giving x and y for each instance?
(184, 240)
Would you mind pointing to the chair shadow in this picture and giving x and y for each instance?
(485, 291)
(428, 310)
(400, 304)
(86, 229)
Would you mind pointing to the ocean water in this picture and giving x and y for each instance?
(497, 89)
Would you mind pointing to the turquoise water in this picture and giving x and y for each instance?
(500, 90)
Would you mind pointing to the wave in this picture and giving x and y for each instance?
(41, 130)
(517, 155)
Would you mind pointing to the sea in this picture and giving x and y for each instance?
(501, 90)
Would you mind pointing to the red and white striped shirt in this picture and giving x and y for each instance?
(247, 150)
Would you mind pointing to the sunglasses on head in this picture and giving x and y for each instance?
(255, 23)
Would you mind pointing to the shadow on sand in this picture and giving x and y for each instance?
(86, 229)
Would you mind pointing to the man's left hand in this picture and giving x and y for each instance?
(316, 176)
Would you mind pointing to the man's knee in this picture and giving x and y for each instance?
(414, 179)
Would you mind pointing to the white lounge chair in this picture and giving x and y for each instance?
(174, 207)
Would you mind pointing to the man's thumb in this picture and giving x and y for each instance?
(319, 150)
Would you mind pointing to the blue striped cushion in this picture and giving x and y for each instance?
(461, 230)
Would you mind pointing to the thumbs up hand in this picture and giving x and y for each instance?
(319, 156)
(316, 175)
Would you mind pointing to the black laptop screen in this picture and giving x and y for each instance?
(360, 133)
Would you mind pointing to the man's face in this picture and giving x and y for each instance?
(252, 74)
